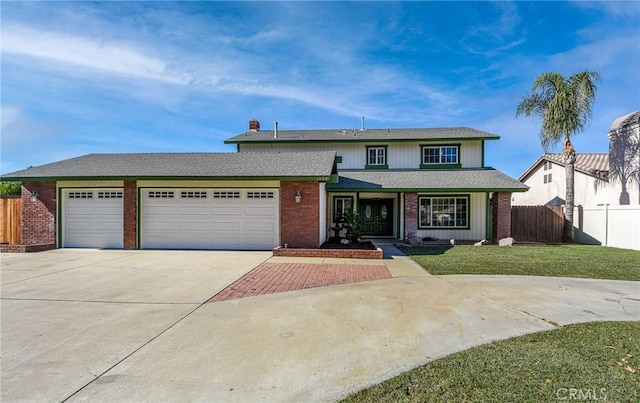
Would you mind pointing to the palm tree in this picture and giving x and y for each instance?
(563, 106)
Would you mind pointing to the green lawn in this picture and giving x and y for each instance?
(592, 361)
(568, 260)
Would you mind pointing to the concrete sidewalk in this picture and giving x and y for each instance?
(318, 344)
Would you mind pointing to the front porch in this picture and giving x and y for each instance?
(422, 216)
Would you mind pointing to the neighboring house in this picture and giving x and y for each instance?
(546, 179)
(282, 187)
(611, 178)
(624, 156)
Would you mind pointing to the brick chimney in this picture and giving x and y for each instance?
(254, 125)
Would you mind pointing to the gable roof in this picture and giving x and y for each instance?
(448, 181)
(592, 164)
(316, 165)
(351, 135)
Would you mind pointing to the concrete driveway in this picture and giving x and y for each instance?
(87, 325)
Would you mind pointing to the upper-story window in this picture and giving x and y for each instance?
(433, 156)
(377, 157)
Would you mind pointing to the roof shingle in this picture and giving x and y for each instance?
(333, 135)
(205, 165)
(482, 180)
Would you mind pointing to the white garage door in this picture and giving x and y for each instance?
(242, 219)
(93, 218)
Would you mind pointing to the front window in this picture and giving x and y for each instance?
(377, 157)
(440, 155)
(444, 212)
(340, 206)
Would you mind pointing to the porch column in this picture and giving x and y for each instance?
(39, 205)
(502, 214)
(130, 229)
(410, 215)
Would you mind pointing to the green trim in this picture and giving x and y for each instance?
(206, 187)
(458, 196)
(59, 217)
(418, 190)
(440, 166)
(321, 178)
(400, 206)
(338, 159)
(138, 218)
(334, 178)
(489, 223)
(386, 157)
(376, 167)
(358, 140)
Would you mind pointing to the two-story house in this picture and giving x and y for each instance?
(281, 187)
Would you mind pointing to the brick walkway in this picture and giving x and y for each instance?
(270, 278)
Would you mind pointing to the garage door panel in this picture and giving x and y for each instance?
(259, 226)
(260, 211)
(161, 210)
(161, 226)
(226, 210)
(194, 210)
(226, 226)
(192, 226)
(215, 219)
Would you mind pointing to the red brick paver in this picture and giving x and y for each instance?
(270, 278)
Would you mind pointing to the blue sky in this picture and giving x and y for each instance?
(102, 77)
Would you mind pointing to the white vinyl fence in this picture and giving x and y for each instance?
(617, 226)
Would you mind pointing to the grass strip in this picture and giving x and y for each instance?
(582, 261)
(589, 361)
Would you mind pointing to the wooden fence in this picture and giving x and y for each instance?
(10, 220)
(537, 223)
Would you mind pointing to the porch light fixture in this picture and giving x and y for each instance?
(298, 197)
(34, 196)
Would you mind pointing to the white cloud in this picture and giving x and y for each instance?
(9, 116)
(92, 53)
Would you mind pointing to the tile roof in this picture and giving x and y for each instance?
(594, 164)
(482, 179)
(205, 165)
(333, 135)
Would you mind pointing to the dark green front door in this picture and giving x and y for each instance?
(376, 216)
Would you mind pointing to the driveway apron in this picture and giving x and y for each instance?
(145, 332)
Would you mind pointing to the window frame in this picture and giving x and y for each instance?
(440, 164)
(384, 165)
(336, 216)
(456, 197)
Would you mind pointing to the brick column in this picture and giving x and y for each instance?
(39, 216)
(300, 222)
(502, 211)
(410, 215)
(130, 214)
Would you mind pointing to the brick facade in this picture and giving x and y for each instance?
(39, 216)
(410, 215)
(332, 253)
(130, 214)
(300, 222)
(501, 207)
